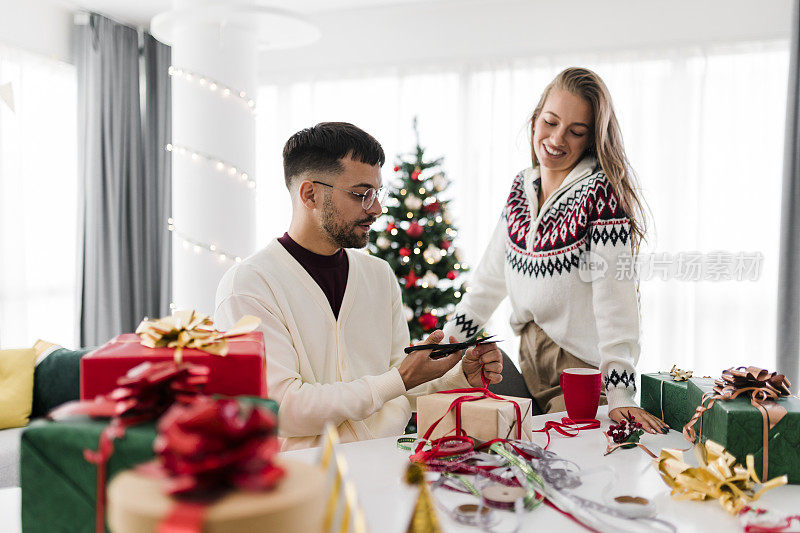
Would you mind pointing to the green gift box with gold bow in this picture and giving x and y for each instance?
(739, 426)
(664, 397)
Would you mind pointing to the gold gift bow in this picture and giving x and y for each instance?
(761, 386)
(190, 329)
(718, 477)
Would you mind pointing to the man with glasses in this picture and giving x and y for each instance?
(332, 317)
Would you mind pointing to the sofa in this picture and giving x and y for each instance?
(56, 380)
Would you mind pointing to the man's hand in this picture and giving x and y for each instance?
(650, 423)
(486, 356)
(418, 368)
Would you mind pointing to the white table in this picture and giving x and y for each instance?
(377, 468)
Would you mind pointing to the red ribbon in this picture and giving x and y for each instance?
(568, 427)
(461, 435)
(142, 394)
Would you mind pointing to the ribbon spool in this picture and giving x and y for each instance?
(473, 515)
(502, 496)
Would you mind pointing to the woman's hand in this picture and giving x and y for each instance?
(650, 423)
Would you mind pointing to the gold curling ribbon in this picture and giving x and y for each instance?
(423, 518)
(719, 477)
(190, 329)
(342, 509)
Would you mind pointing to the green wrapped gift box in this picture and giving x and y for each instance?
(59, 487)
(666, 399)
(738, 426)
(58, 484)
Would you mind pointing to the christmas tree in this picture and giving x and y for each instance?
(417, 241)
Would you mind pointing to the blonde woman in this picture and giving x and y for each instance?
(571, 222)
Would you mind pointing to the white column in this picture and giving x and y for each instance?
(214, 82)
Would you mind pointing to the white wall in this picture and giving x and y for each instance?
(471, 31)
(40, 26)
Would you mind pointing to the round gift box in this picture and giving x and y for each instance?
(137, 504)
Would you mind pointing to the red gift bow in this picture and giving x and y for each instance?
(218, 443)
(143, 394)
(211, 445)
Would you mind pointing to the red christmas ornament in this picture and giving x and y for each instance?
(390, 227)
(411, 280)
(452, 274)
(428, 321)
(432, 207)
(404, 252)
(445, 245)
(396, 168)
(414, 230)
(415, 175)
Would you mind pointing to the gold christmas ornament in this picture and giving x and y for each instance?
(413, 202)
(423, 518)
(432, 254)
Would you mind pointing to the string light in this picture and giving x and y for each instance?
(214, 86)
(219, 165)
(198, 247)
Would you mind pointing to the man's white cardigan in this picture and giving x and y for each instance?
(320, 368)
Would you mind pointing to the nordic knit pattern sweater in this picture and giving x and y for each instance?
(536, 259)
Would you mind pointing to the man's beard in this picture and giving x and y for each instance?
(341, 233)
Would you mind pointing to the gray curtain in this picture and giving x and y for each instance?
(123, 176)
(788, 344)
(157, 133)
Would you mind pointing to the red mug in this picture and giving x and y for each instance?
(581, 389)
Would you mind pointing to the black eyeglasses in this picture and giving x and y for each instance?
(368, 197)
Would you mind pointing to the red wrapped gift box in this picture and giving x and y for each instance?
(241, 372)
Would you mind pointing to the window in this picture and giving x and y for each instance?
(38, 201)
(703, 129)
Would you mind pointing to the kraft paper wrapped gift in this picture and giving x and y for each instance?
(738, 426)
(484, 419)
(665, 398)
(137, 504)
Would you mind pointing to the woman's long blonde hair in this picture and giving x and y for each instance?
(606, 144)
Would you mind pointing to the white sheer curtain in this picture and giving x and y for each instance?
(38, 201)
(703, 129)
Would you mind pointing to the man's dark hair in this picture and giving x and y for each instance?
(319, 149)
